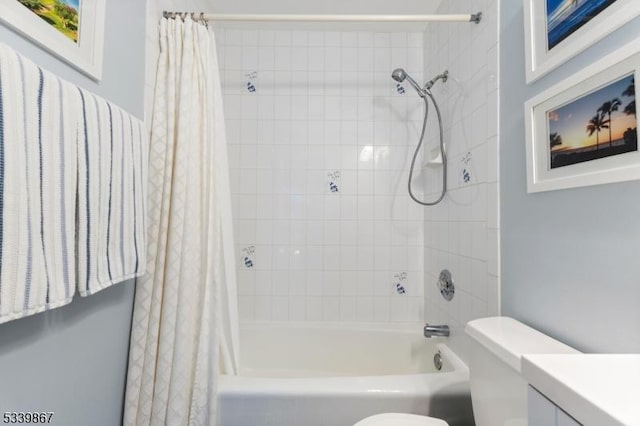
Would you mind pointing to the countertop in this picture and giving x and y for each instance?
(595, 389)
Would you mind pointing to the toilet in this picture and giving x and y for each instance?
(498, 392)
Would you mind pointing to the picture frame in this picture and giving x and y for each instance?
(583, 130)
(85, 54)
(552, 37)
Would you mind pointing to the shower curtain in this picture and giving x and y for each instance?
(184, 331)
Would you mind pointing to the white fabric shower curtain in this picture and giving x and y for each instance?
(184, 330)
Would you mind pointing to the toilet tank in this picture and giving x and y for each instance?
(498, 392)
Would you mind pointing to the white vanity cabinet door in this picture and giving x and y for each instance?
(563, 419)
(542, 412)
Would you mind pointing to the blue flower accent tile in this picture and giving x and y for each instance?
(250, 81)
(400, 281)
(333, 181)
(466, 175)
(248, 256)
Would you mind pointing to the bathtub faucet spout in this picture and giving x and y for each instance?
(436, 330)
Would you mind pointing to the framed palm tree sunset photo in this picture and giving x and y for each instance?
(584, 131)
(598, 125)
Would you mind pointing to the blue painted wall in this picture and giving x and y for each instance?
(570, 258)
(73, 360)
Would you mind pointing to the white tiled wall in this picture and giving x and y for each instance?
(462, 233)
(320, 138)
(324, 103)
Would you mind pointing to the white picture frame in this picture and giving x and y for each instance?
(540, 59)
(85, 55)
(584, 88)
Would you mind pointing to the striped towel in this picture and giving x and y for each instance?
(38, 177)
(72, 190)
(111, 195)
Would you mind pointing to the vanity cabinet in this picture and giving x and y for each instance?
(596, 389)
(543, 412)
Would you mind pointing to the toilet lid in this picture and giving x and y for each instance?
(396, 419)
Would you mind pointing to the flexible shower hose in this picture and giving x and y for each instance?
(442, 151)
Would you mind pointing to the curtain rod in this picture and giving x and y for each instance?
(476, 17)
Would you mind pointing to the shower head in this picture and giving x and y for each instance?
(401, 75)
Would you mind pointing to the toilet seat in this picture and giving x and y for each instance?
(396, 419)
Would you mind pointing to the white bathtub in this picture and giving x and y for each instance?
(334, 375)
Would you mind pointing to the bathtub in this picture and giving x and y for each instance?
(336, 374)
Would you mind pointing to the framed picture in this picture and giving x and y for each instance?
(557, 30)
(584, 130)
(73, 30)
